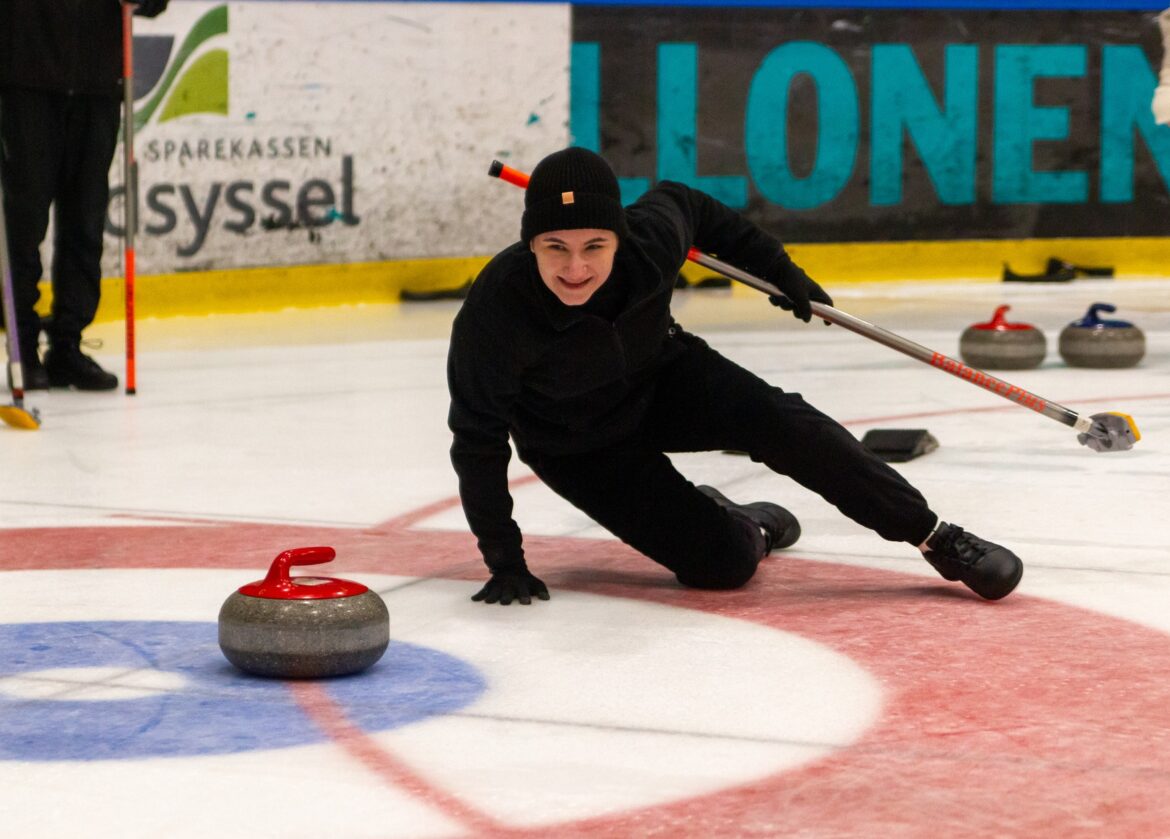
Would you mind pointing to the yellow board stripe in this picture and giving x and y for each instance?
(304, 286)
(980, 259)
(272, 289)
(973, 260)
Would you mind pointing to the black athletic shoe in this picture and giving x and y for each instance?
(68, 366)
(780, 527)
(988, 569)
(33, 374)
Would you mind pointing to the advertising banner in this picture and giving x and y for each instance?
(305, 133)
(884, 124)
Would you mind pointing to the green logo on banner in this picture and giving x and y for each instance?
(198, 86)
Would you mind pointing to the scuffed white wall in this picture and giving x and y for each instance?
(382, 117)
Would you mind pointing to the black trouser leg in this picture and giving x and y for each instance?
(636, 493)
(91, 134)
(30, 151)
(705, 402)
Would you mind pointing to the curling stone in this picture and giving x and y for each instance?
(1093, 342)
(999, 345)
(303, 627)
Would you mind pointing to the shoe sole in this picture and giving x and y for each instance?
(83, 389)
(999, 594)
(791, 524)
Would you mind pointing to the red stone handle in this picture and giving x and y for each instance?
(278, 571)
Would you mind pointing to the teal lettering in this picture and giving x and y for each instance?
(585, 95)
(1019, 123)
(585, 109)
(677, 133)
(766, 133)
(945, 137)
(1127, 87)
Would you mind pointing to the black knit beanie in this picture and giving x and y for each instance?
(570, 190)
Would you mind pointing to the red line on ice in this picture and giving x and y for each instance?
(315, 701)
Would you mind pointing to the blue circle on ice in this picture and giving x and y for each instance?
(204, 705)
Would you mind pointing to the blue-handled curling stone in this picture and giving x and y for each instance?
(1096, 342)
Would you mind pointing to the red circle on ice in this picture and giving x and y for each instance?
(1025, 716)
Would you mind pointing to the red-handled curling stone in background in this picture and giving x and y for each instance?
(303, 627)
(999, 345)
(1094, 342)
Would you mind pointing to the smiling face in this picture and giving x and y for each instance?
(575, 263)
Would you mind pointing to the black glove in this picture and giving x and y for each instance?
(512, 582)
(149, 8)
(797, 286)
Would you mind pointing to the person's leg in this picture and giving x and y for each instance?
(706, 402)
(636, 493)
(30, 154)
(780, 528)
(91, 137)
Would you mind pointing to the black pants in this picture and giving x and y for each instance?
(703, 402)
(56, 149)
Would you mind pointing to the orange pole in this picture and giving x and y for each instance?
(130, 171)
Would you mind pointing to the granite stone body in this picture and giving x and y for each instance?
(304, 639)
(999, 345)
(1107, 344)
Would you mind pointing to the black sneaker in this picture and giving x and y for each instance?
(33, 373)
(780, 527)
(68, 366)
(988, 569)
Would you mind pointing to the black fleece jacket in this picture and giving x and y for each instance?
(64, 46)
(562, 379)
